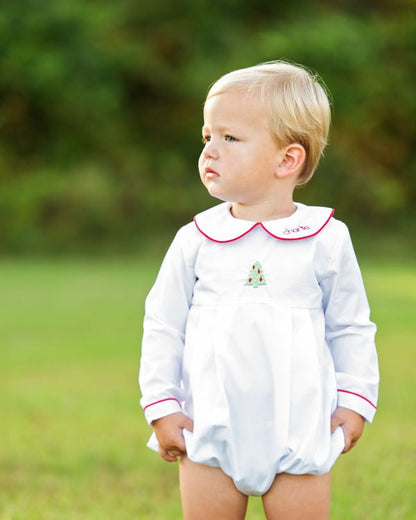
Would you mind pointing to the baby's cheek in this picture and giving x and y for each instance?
(201, 159)
(201, 165)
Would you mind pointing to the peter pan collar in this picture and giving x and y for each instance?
(219, 225)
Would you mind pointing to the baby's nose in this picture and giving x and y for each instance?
(210, 150)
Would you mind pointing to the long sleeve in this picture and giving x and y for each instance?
(166, 312)
(349, 331)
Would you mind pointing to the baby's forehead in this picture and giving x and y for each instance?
(235, 108)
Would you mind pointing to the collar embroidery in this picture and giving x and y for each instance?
(217, 223)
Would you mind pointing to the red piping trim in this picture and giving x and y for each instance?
(161, 401)
(224, 241)
(358, 395)
(265, 229)
(300, 238)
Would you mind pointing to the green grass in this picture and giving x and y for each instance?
(73, 436)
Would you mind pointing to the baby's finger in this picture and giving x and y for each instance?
(347, 447)
(335, 422)
(168, 455)
(188, 424)
(352, 442)
(174, 453)
(179, 444)
(348, 441)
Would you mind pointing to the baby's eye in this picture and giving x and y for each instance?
(206, 139)
(230, 138)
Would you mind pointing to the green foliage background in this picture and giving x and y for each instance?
(100, 110)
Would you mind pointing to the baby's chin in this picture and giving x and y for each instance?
(220, 196)
(213, 189)
(217, 191)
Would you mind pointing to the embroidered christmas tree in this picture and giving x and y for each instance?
(255, 276)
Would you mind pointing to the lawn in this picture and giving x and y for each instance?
(73, 436)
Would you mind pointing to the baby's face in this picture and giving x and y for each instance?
(240, 156)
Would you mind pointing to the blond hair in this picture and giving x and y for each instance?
(295, 100)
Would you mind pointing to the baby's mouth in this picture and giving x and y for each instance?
(211, 174)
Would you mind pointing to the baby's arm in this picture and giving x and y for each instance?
(167, 309)
(351, 423)
(350, 336)
(169, 434)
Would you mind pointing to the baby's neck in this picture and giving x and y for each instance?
(265, 211)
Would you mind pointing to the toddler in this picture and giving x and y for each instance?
(258, 361)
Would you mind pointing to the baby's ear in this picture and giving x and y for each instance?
(291, 161)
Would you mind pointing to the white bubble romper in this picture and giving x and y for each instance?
(258, 331)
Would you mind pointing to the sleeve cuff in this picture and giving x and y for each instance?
(357, 403)
(161, 408)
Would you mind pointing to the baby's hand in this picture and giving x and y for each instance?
(169, 434)
(352, 424)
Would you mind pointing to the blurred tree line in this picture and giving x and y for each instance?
(101, 110)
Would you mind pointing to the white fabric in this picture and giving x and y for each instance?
(219, 225)
(259, 369)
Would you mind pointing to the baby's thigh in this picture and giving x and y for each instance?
(298, 497)
(208, 493)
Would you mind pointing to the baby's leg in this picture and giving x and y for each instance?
(298, 497)
(209, 494)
